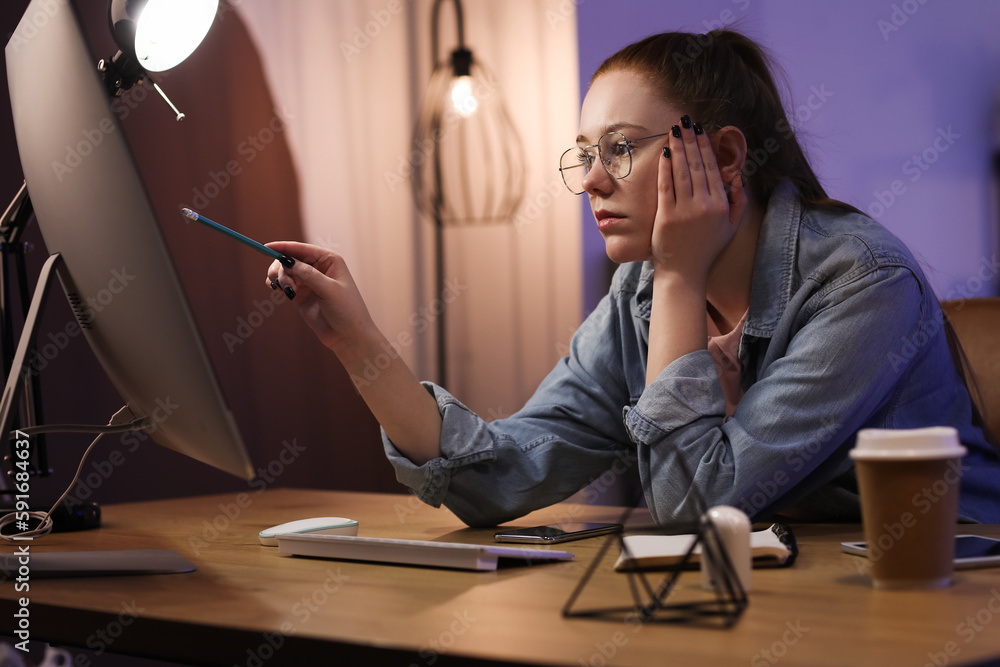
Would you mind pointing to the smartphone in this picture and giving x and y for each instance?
(563, 532)
(970, 550)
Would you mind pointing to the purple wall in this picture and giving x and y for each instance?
(910, 92)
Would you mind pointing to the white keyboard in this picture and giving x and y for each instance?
(414, 552)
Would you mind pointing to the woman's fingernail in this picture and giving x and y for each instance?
(289, 292)
(676, 131)
(686, 121)
(666, 152)
(274, 284)
(698, 129)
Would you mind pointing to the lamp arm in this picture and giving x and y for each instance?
(122, 72)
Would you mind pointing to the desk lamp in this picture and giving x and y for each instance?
(467, 155)
(153, 36)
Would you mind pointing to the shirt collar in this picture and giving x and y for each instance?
(771, 284)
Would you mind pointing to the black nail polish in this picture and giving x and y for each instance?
(686, 122)
(666, 152)
(289, 292)
(286, 261)
(698, 129)
(676, 131)
(274, 284)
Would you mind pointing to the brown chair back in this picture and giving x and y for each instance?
(977, 325)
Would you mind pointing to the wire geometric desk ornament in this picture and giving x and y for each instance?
(652, 605)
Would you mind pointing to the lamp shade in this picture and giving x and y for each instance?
(160, 34)
(468, 157)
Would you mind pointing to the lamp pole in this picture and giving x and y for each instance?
(475, 129)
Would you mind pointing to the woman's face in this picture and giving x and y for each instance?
(624, 208)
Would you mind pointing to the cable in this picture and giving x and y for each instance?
(115, 425)
(45, 527)
(134, 425)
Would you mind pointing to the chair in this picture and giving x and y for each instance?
(977, 325)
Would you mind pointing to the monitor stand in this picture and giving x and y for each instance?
(19, 369)
(80, 516)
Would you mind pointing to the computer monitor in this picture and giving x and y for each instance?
(93, 211)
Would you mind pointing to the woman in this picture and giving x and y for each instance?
(753, 327)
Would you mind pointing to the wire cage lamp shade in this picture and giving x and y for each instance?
(471, 170)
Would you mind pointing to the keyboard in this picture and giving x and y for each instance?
(415, 552)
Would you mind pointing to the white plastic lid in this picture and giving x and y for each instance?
(935, 442)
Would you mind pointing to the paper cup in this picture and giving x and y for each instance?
(909, 484)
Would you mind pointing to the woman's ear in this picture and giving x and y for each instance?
(730, 152)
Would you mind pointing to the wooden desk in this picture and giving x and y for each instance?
(247, 605)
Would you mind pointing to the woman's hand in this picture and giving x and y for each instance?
(695, 220)
(325, 292)
(696, 217)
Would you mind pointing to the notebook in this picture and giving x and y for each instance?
(414, 552)
(771, 547)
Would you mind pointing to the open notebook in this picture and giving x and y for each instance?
(771, 547)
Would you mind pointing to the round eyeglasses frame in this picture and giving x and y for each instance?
(619, 140)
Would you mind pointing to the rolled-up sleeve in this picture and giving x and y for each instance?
(465, 440)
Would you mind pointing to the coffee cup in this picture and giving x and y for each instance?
(909, 484)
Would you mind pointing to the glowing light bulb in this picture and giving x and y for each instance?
(168, 31)
(462, 97)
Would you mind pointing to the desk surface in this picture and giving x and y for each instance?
(248, 605)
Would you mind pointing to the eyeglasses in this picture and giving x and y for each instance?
(614, 151)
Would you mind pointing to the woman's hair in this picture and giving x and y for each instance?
(724, 78)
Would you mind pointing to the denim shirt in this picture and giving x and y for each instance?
(843, 332)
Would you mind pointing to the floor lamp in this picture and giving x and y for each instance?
(472, 170)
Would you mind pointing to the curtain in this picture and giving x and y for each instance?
(349, 77)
